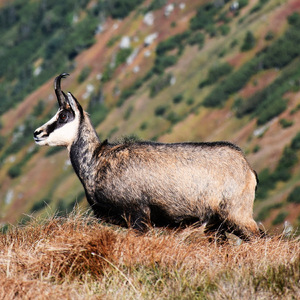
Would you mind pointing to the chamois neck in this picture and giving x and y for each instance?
(82, 150)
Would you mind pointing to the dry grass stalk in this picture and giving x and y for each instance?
(78, 258)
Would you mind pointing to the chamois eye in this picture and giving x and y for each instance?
(63, 117)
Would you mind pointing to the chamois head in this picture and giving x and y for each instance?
(62, 129)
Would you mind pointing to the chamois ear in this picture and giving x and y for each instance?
(74, 104)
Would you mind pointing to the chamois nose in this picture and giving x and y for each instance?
(36, 133)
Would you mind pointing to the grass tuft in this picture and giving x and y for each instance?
(76, 257)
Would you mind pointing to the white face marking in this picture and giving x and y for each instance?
(62, 136)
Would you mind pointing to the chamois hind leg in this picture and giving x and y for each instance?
(246, 229)
(139, 220)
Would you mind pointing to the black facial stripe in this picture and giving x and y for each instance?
(59, 122)
(51, 127)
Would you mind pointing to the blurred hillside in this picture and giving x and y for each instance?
(169, 71)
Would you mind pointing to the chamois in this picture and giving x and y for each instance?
(148, 183)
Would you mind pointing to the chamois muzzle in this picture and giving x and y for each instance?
(61, 96)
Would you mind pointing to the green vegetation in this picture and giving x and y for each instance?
(85, 72)
(215, 73)
(204, 17)
(197, 38)
(156, 4)
(249, 42)
(286, 123)
(294, 196)
(119, 9)
(231, 84)
(110, 68)
(49, 32)
(283, 170)
(16, 169)
(279, 219)
(161, 109)
(268, 103)
(266, 211)
(98, 108)
(159, 84)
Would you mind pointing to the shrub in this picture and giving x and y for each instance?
(171, 43)
(249, 42)
(53, 150)
(233, 83)
(144, 126)
(285, 123)
(280, 218)
(39, 205)
(269, 36)
(122, 56)
(156, 4)
(271, 110)
(287, 161)
(215, 73)
(85, 72)
(295, 145)
(128, 112)
(14, 171)
(266, 183)
(178, 98)
(294, 196)
(163, 62)
(224, 29)
(197, 39)
(204, 17)
(161, 109)
(120, 9)
(173, 117)
(159, 84)
(190, 101)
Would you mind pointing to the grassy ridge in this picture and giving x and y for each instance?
(78, 258)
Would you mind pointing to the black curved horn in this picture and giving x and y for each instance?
(61, 96)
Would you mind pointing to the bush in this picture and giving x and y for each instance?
(85, 72)
(224, 29)
(159, 84)
(249, 42)
(128, 112)
(161, 109)
(287, 161)
(197, 39)
(215, 73)
(178, 98)
(172, 43)
(285, 123)
(15, 171)
(280, 218)
(144, 126)
(271, 110)
(233, 83)
(204, 17)
(294, 196)
(266, 183)
(53, 150)
(156, 4)
(122, 56)
(163, 62)
(173, 117)
(39, 205)
(295, 145)
(120, 9)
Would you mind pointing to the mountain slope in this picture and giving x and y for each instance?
(209, 73)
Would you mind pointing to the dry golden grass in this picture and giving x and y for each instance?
(78, 258)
